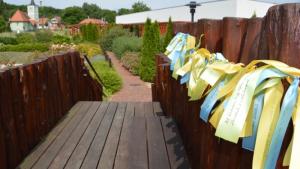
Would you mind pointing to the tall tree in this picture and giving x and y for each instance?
(2, 24)
(73, 15)
(124, 11)
(150, 48)
(109, 15)
(49, 12)
(139, 7)
(169, 34)
(92, 10)
(156, 37)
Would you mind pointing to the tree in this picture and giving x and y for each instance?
(151, 45)
(92, 10)
(109, 15)
(156, 37)
(253, 15)
(2, 24)
(50, 12)
(169, 34)
(139, 7)
(73, 15)
(124, 11)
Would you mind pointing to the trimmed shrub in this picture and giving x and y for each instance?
(44, 36)
(106, 40)
(60, 39)
(26, 38)
(112, 81)
(26, 47)
(168, 35)
(151, 46)
(126, 44)
(157, 40)
(131, 61)
(8, 40)
(89, 32)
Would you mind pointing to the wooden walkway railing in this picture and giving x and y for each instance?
(34, 97)
(276, 36)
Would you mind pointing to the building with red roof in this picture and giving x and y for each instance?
(75, 29)
(20, 22)
(99, 22)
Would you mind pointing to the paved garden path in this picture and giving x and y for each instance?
(134, 89)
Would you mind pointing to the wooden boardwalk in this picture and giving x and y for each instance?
(110, 135)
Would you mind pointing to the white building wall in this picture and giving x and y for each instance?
(216, 10)
(33, 12)
(246, 8)
(19, 27)
(213, 10)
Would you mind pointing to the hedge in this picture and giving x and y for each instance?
(8, 40)
(106, 40)
(126, 44)
(26, 47)
(131, 61)
(112, 81)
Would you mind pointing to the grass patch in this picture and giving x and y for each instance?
(111, 80)
(18, 57)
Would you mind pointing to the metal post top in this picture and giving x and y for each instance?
(193, 4)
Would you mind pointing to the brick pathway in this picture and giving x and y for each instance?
(134, 89)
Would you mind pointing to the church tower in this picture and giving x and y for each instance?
(33, 11)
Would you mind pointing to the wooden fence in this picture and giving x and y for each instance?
(276, 36)
(34, 97)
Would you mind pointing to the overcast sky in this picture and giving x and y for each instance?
(116, 4)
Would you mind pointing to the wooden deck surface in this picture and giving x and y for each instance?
(110, 135)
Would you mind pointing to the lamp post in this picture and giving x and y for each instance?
(193, 5)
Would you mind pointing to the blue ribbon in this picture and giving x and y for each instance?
(185, 78)
(249, 142)
(178, 52)
(268, 73)
(210, 101)
(286, 111)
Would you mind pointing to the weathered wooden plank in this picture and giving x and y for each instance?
(129, 110)
(175, 148)
(234, 32)
(132, 150)
(139, 110)
(8, 121)
(212, 31)
(148, 109)
(18, 111)
(251, 42)
(31, 159)
(69, 146)
(110, 149)
(3, 158)
(51, 152)
(157, 152)
(157, 110)
(81, 149)
(96, 148)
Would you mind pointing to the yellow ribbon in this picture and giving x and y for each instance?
(267, 123)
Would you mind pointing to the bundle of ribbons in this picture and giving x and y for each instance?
(242, 101)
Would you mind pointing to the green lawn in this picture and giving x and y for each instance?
(18, 57)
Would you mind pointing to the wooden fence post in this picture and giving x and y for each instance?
(18, 111)
(8, 121)
(234, 32)
(251, 42)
